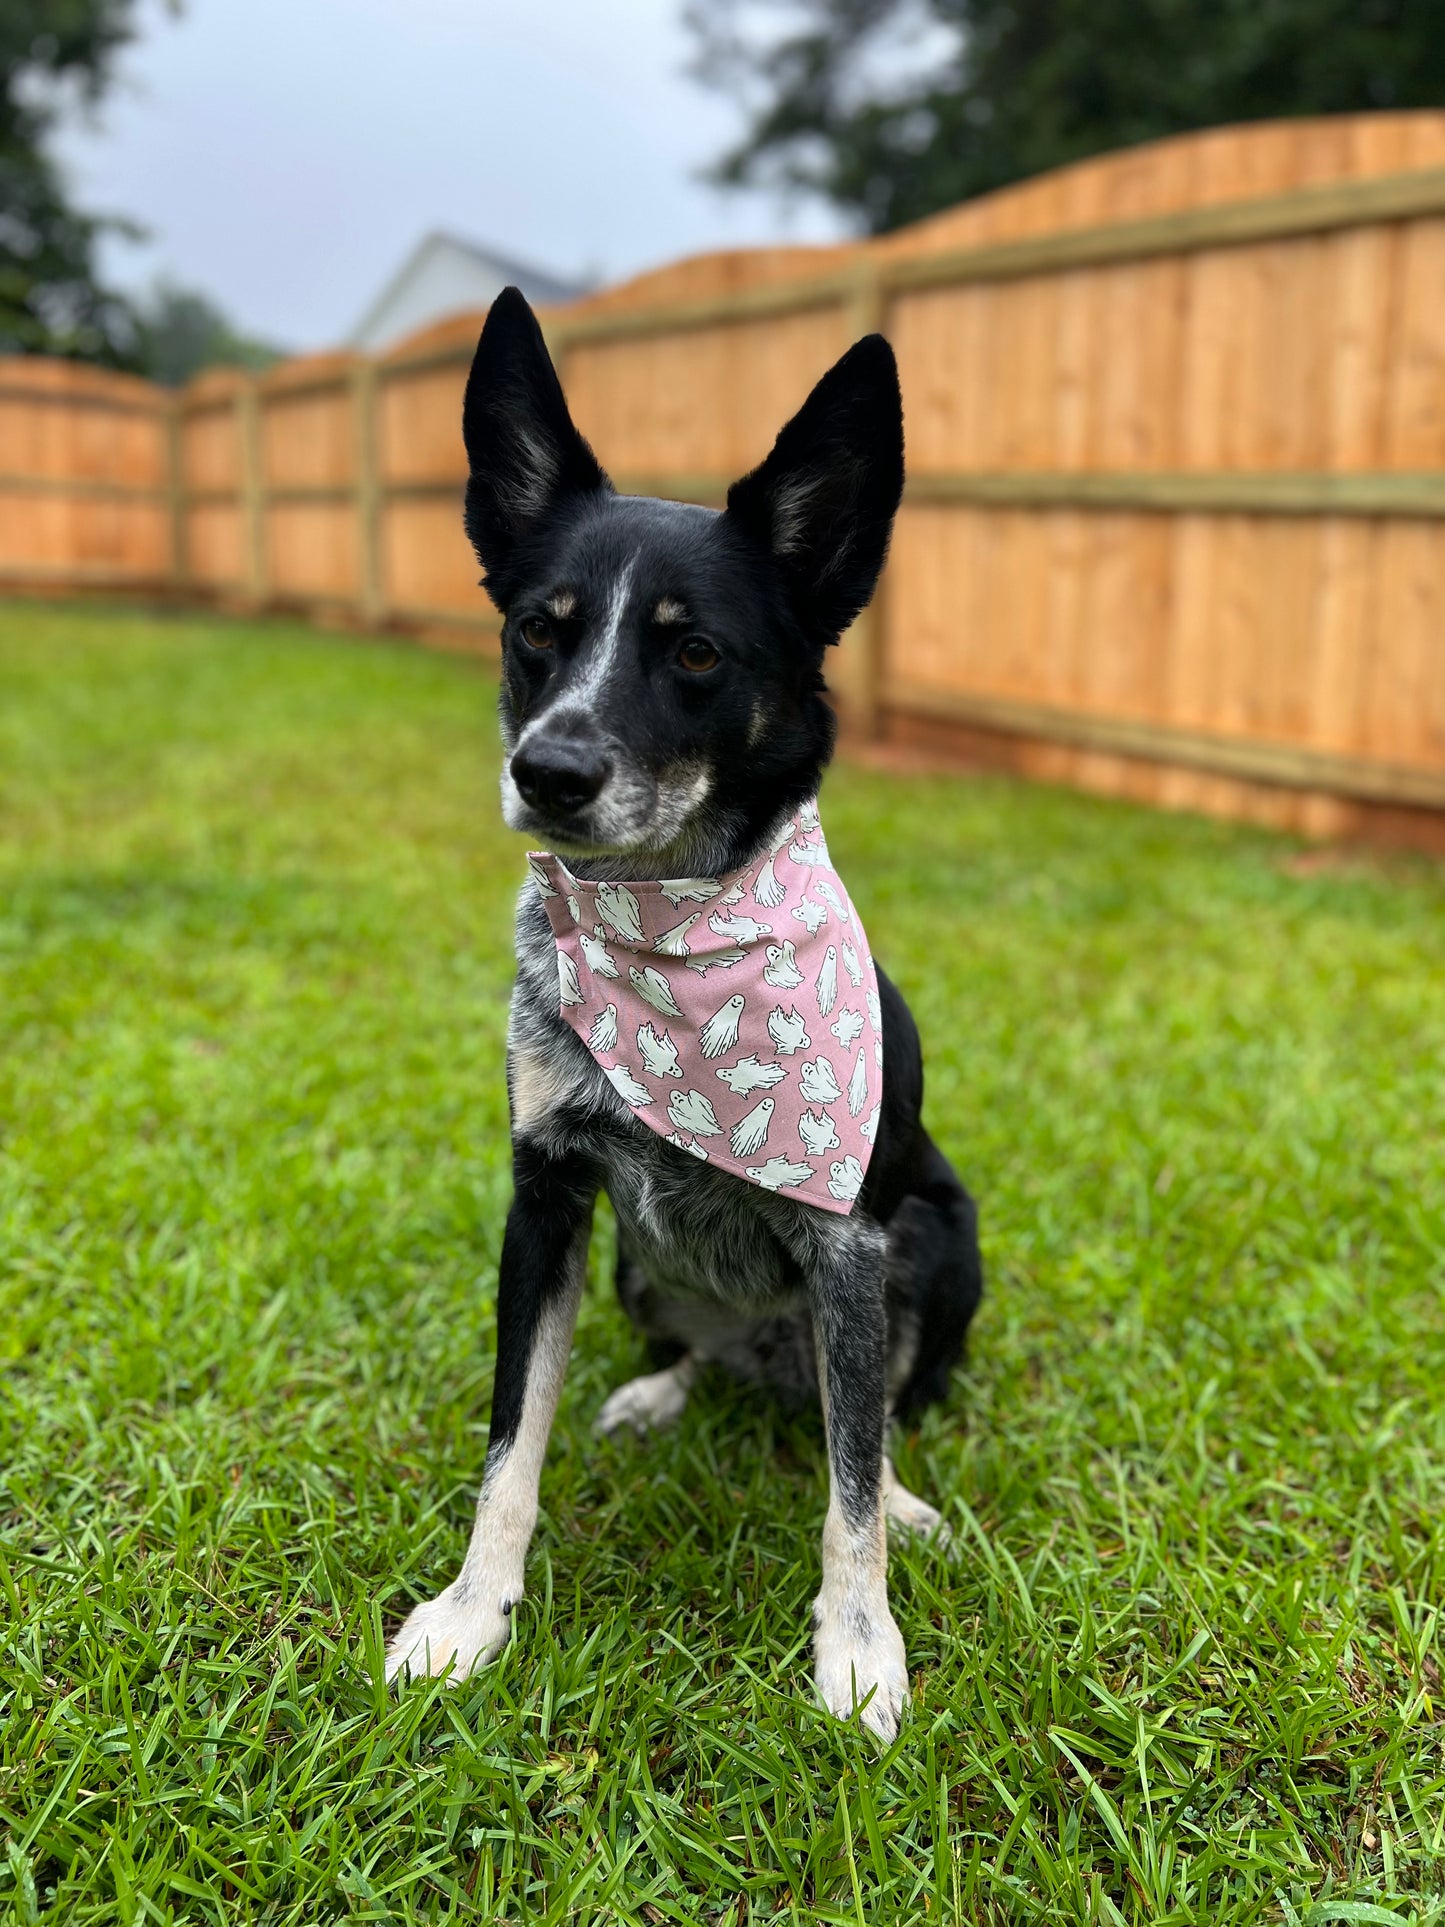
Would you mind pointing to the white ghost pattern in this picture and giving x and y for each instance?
(807, 853)
(749, 1136)
(827, 985)
(845, 1180)
(687, 1144)
(576, 908)
(787, 1030)
(779, 1171)
(652, 986)
(691, 1111)
(733, 897)
(808, 818)
(539, 877)
(767, 890)
(875, 1010)
(715, 960)
(818, 1132)
(749, 1075)
(569, 983)
(739, 929)
(603, 1034)
(627, 1086)
(620, 911)
(817, 1081)
(869, 1126)
(852, 964)
(858, 1086)
(782, 970)
(847, 1026)
(812, 914)
(673, 943)
(599, 957)
(782, 837)
(659, 1054)
(690, 890)
(718, 1035)
(830, 896)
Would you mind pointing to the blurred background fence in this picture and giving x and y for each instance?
(1175, 517)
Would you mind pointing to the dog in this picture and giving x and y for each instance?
(666, 728)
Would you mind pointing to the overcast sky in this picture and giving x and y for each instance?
(286, 154)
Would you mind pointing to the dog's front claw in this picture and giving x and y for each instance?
(449, 1636)
(855, 1661)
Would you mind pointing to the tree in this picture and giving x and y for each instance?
(179, 332)
(1017, 86)
(54, 53)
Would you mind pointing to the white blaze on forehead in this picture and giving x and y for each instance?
(597, 664)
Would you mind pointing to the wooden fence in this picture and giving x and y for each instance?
(1175, 519)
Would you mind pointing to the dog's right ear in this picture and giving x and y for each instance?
(525, 456)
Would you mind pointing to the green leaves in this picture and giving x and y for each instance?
(894, 110)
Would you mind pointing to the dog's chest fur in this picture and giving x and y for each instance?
(699, 1233)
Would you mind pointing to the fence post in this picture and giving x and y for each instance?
(370, 578)
(176, 490)
(860, 681)
(253, 491)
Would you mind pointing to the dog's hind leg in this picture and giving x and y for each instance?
(907, 1511)
(652, 1402)
(858, 1647)
(657, 1399)
(935, 1281)
(544, 1261)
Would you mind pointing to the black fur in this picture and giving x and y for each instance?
(769, 584)
(663, 709)
(551, 1204)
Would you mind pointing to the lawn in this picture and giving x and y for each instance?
(1184, 1663)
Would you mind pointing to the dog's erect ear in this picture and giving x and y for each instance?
(526, 458)
(824, 500)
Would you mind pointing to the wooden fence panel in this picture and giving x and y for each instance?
(84, 478)
(425, 563)
(1175, 520)
(704, 404)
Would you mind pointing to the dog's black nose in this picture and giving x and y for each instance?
(559, 774)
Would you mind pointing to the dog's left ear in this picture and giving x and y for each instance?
(824, 500)
(525, 455)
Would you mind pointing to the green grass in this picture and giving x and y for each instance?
(1185, 1664)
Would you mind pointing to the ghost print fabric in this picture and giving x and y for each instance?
(736, 1016)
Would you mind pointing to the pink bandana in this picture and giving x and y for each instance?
(737, 1015)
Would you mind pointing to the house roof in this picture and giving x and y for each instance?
(479, 272)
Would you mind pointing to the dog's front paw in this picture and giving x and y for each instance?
(645, 1404)
(858, 1657)
(451, 1635)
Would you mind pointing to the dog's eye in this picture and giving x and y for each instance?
(536, 634)
(698, 656)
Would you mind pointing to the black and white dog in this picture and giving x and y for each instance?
(663, 712)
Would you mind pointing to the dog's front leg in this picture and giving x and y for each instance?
(544, 1261)
(858, 1647)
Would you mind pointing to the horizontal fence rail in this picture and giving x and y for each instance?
(1174, 524)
